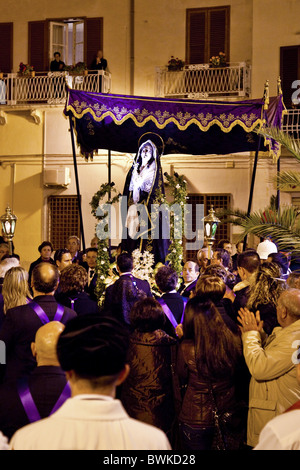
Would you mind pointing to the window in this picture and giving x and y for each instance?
(67, 38)
(77, 40)
(289, 72)
(218, 201)
(63, 219)
(207, 33)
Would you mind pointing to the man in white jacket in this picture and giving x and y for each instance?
(271, 362)
(92, 350)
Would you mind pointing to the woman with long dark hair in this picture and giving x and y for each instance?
(208, 357)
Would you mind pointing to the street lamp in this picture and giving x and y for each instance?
(210, 227)
(8, 222)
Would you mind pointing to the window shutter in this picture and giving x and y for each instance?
(217, 25)
(93, 38)
(289, 71)
(196, 37)
(207, 33)
(38, 45)
(6, 41)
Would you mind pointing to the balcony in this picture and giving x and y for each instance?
(291, 123)
(49, 87)
(201, 81)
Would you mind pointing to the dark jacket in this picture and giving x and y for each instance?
(147, 393)
(18, 332)
(80, 302)
(186, 291)
(46, 384)
(176, 304)
(122, 295)
(197, 405)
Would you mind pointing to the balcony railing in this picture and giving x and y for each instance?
(291, 123)
(200, 81)
(49, 87)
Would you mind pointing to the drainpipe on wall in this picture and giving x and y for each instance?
(131, 46)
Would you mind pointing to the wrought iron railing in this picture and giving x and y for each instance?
(291, 123)
(49, 87)
(201, 81)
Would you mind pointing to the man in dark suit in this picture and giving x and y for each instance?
(190, 274)
(91, 260)
(46, 386)
(172, 303)
(121, 296)
(21, 323)
(73, 245)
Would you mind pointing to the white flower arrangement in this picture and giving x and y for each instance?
(142, 264)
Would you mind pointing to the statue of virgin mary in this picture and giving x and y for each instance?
(142, 182)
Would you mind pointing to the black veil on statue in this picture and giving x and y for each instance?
(142, 185)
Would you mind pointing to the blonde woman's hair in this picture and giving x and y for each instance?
(15, 289)
(267, 287)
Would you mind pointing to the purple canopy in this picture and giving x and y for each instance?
(117, 122)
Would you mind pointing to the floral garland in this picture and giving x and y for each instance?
(179, 192)
(104, 267)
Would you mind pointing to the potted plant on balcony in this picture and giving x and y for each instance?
(26, 70)
(175, 64)
(78, 69)
(218, 60)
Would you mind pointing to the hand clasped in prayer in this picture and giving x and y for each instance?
(249, 321)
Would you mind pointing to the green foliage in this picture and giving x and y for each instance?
(179, 194)
(103, 260)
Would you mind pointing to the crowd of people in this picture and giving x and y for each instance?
(208, 363)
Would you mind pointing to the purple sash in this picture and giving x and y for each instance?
(29, 405)
(42, 315)
(169, 314)
(72, 302)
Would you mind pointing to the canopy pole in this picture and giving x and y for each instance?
(77, 183)
(265, 107)
(252, 186)
(109, 196)
(278, 190)
(279, 92)
(253, 178)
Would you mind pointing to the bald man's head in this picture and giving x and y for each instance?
(44, 347)
(45, 278)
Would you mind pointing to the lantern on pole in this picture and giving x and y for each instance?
(211, 223)
(8, 222)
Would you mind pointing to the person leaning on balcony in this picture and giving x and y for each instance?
(57, 65)
(99, 63)
(273, 385)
